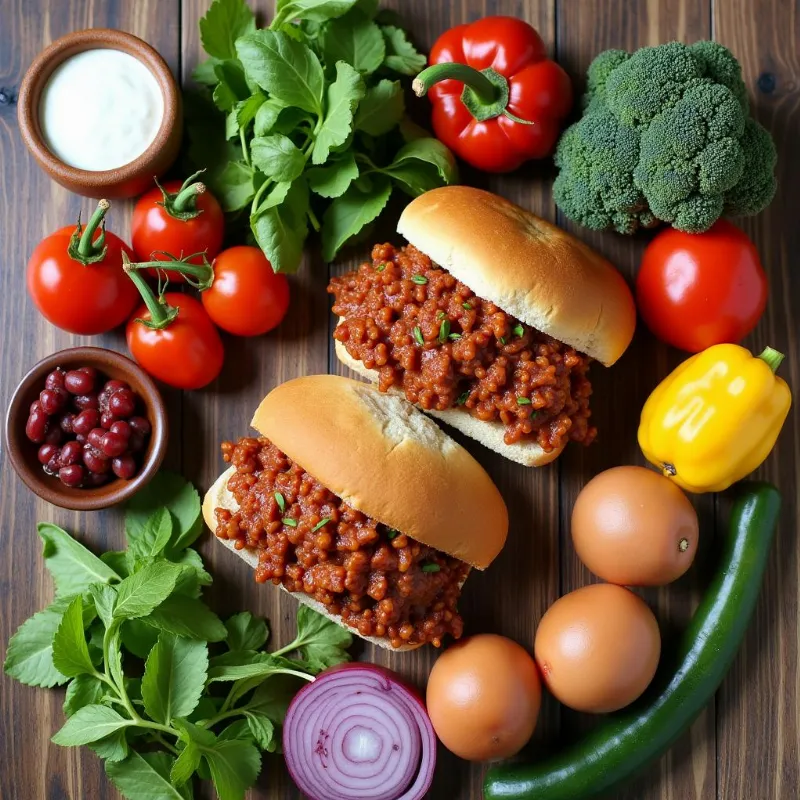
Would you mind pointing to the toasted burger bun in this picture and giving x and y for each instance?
(489, 434)
(531, 269)
(384, 458)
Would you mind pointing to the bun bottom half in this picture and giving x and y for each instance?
(489, 434)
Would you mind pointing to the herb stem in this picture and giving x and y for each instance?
(259, 194)
(245, 150)
(314, 221)
(165, 744)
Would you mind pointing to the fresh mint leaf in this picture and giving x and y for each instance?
(246, 632)
(29, 657)
(246, 110)
(70, 651)
(83, 690)
(186, 616)
(146, 589)
(73, 567)
(194, 576)
(311, 10)
(266, 117)
(288, 70)
(137, 779)
(234, 767)
(174, 677)
(224, 22)
(166, 490)
(355, 39)
(118, 561)
(255, 665)
(105, 597)
(231, 87)
(154, 536)
(89, 724)
(277, 157)
(262, 728)
(204, 73)
(189, 732)
(322, 643)
(272, 697)
(186, 764)
(207, 707)
(114, 660)
(234, 186)
(333, 179)
(275, 196)
(113, 747)
(343, 97)
(281, 231)
(236, 730)
(401, 55)
(138, 638)
(381, 109)
(348, 214)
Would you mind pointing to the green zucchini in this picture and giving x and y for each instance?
(626, 741)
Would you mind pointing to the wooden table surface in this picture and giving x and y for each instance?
(746, 744)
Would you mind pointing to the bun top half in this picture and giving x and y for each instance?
(388, 460)
(528, 267)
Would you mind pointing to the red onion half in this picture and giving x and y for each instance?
(358, 733)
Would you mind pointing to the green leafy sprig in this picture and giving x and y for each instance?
(210, 699)
(314, 133)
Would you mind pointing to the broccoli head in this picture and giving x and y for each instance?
(665, 136)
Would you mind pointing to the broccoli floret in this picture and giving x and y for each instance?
(665, 136)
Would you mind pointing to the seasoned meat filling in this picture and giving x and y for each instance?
(379, 581)
(428, 333)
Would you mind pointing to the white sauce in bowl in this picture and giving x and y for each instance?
(100, 110)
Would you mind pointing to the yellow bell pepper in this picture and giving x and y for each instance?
(716, 417)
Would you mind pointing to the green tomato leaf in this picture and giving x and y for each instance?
(113, 747)
(70, 651)
(187, 616)
(246, 632)
(137, 779)
(83, 690)
(355, 39)
(224, 22)
(401, 55)
(281, 231)
(88, 724)
(311, 10)
(277, 157)
(288, 70)
(381, 109)
(29, 657)
(146, 589)
(343, 97)
(185, 764)
(322, 643)
(166, 490)
(333, 179)
(73, 567)
(262, 728)
(348, 214)
(234, 767)
(174, 677)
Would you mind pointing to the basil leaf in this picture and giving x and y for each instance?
(154, 536)
(333, 179)
(224, 22)
(112, 748)
(234, 767)
(401, 55)
(322, 643)
(83, 690)
(139, 594)
(246, 632)
(174, 677)
(277, 157)
(348, 214)
(137, 779)
(262, 728)
(70, 651)
(118, 561)
(288, 70)
(105, 597)
(186, 616)
(381, 109)
(266, 117)
(73, 567)
(89, 724)
(29, 657)
(313, 10)
(343, 97)
(281, 232)
(355, 39)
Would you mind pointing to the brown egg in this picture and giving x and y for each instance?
(483, 697)
(634, 527)
(597, 648)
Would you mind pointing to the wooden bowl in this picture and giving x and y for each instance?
(132, 178)
(23, 453)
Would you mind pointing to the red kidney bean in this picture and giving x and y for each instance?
(94, 460)
(81, 438)
(139, 425)
(35, 406)
(136, 443)
(79, 382)
(53, 400)
(112, 445)
(46, 452)
(112, 385)
(94, 479)
(36, 426)
(122, 403)
(70, 454)
(55, 380)
(82, 401)
(124, 467)
(95, 437)
(121, 428)
(72, 475)
(84, 422)
(52, 466)
(65, 422)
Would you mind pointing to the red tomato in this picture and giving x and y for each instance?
(156, 228)
(187, 353)
(76, 297)
(247, 298)
(695, 290)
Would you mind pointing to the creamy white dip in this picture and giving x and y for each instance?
(100, 110)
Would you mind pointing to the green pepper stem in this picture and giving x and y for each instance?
(772, 357)
(161, 313)
(86, 246)
(485, 90)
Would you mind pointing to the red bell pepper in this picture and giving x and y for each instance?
(497, 99)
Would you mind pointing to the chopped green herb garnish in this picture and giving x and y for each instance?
(280, 501)
(420, 280)
(441, 315)
(292, 523)
(462, 398)
(523, 401)
(466, 306)
(534, 414)
(321, 524)
(502, 340)
(431, 568)
(381, 267)
(392, 533)
(418, 335)
(519, 330)
(444, 330)
(455, 336)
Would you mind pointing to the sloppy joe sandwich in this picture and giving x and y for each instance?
(361, 507)
(487, 319)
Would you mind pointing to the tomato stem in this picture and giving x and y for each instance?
(772, 357)
(82, 246)
(200, 276)
(161, 312)
(182, 204)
